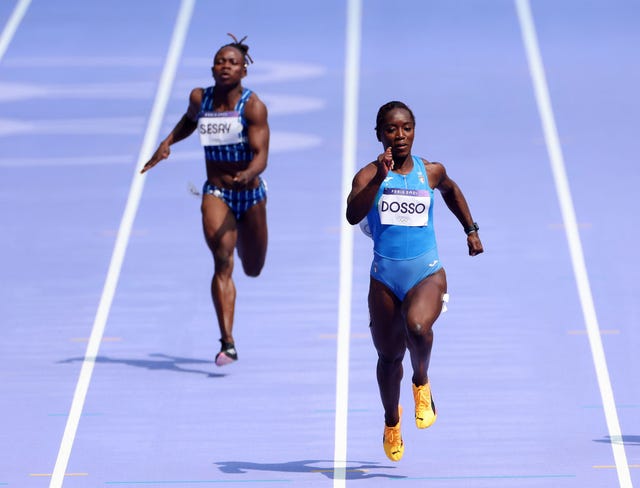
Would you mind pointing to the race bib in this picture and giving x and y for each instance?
(220, 128)
(399, 206)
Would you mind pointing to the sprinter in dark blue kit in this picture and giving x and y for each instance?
(392, 199)
(232, 124)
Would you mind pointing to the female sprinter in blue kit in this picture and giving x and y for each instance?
(232, 124)
(393, 196)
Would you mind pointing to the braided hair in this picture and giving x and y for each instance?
(240, 46)
(388, 107)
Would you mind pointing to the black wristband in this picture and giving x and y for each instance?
(471, 229)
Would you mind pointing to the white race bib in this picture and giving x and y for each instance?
(220, 128)
(399, 206)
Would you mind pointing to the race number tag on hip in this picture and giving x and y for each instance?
(398, 206)
(220, 128)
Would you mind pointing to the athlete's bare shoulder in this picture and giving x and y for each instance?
(195, 101)
(255, 108)
(436, 172)
(196, 95)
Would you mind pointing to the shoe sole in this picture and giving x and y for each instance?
(222, 360)
(421, 424)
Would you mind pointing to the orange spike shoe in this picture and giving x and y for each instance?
(392, 440)
(425, 407)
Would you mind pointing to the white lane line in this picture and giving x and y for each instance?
(12, 25)
(117, 258)
(349, 152)
(573, 237)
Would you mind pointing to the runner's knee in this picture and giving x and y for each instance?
(419, 327)
(223, 261)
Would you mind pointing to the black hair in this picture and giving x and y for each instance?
(388, 107)
(240, 46)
